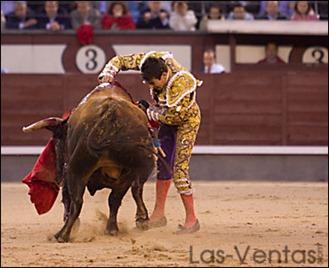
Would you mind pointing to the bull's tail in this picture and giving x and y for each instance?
(159, 155)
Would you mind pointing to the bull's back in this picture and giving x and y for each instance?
(93, 107)
(120, 126)
(111, 125)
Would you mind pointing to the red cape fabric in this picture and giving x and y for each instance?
(154, 124)
(85, 34)
(41, 180)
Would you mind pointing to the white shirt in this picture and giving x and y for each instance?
(186, 23)
(214, 69)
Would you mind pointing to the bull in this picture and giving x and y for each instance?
(105, 143)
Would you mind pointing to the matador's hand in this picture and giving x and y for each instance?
(108, 74)
(105, 78)
(154, 113)
(144, 105)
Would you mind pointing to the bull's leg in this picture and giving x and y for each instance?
(76, 189)
(114, 201)
(66, 200)
(141, 213)
(60, 162)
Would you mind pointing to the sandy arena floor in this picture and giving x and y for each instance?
(242, 222)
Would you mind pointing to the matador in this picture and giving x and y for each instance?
(173, 90)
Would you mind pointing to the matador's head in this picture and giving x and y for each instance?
(155, 72)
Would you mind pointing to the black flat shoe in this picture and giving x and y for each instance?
(159, 223)
(184, 230)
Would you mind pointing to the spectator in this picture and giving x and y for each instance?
(117, 18)
(66, 7)
(214, 13)
(21, 18)
(8, 7)
(182, 19)
(323, 9)
(252, 7)
(199, 8)
(36, 7)
(304, 11)
(102, 6)
(271, 55)
(3, 20)
(136, 8)
(154, 17)
(286, 8)
(166, 5)
(272, 12)
(50, 18)
(85, 14)
(239, 13)
(209, 62)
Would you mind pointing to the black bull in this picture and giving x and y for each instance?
(105, 143)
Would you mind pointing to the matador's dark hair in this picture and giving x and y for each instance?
(153, 68)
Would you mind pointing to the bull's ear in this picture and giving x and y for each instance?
(50, 122)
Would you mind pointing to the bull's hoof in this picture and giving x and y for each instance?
(60, 238)
(142, 225)
(113, 232)
(112, 228)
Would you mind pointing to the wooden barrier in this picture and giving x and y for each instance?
(254, 107)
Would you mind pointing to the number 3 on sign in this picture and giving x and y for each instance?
(316, 55)
(90, 59)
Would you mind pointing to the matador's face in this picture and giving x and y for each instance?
(159, 83)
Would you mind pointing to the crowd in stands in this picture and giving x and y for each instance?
(131, 15)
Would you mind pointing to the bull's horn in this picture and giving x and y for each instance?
(48, 122)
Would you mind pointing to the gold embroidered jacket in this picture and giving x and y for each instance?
(179, 94)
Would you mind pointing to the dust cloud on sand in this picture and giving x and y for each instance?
(239, 220)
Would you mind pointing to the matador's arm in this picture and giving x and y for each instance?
(117, 63)
(133, 62)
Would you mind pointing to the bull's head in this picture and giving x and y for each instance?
(58, 127)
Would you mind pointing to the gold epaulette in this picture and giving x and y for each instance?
(180, 85)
